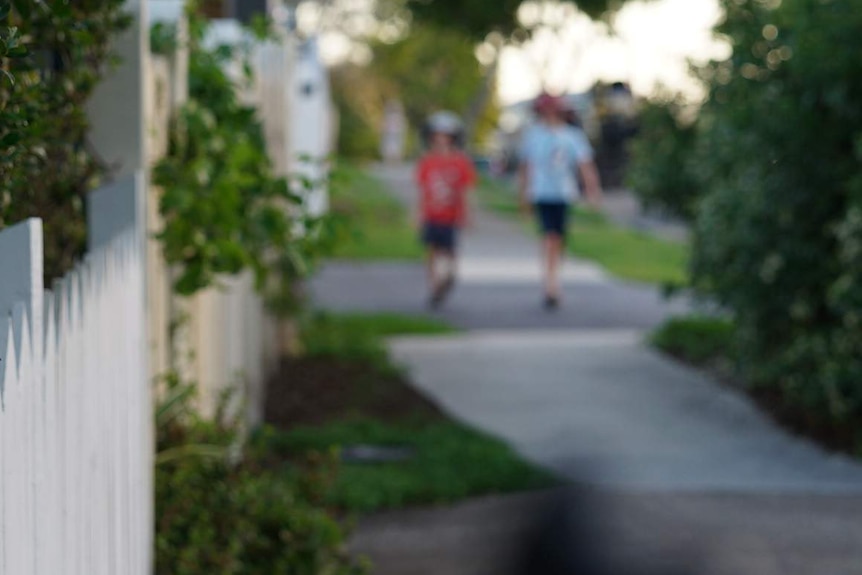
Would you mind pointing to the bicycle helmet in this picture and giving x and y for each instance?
(444, 122)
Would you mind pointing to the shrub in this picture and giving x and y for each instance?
(662, 170)
(53, 54)
(223, 208)
(779, 231)
(221, 514)
(696, 339)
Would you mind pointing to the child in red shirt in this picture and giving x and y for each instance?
(445, 176)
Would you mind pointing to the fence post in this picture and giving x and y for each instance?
(21, 312)
(117, 217)
(117, 108)
(116, 208)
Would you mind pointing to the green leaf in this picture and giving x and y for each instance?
(10, 139)
(24, 8)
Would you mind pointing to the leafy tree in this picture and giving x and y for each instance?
(478, 18)
(428, 69)
(358, 100)
(431, 68)
(496, 24)
(460, 26)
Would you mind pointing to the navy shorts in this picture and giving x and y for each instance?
(553, 217)
(440, 236)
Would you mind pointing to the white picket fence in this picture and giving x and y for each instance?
(76, 445)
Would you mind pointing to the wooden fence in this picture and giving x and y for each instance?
(76, 447)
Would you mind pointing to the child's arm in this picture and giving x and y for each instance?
(523, 196)
(471, 204)
(592, 183)
(419, 208)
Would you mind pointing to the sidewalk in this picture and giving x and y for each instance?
(687, 463)
(499, 283)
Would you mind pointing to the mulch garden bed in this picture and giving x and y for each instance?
(311, 391)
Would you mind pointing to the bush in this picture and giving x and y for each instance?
(779, 231)
(218, 519)
(53, 54)
(220, 514)
(662, 170)
(223, 208)
(696, 339)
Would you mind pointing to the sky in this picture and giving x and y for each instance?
(653, 42)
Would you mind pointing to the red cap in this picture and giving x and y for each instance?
(548, 103)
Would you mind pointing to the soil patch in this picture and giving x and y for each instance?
(836, 436)
(844, 437)
(311, 391)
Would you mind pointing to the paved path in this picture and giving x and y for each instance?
(499, 283)
(684, 462)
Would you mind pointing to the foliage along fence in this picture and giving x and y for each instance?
(76, 442)
(221, 337)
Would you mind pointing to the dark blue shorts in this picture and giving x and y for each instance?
(553, 217)
(440, 236)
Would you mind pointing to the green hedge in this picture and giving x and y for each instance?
(779, 223)
(696, 339)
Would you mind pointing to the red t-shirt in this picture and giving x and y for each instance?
(443, 183)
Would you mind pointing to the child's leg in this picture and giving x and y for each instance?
(448, 254)
(450, 265)
(431, 257)
(553, 254)
(442, 255)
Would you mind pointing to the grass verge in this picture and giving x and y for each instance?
(378, 226)
(447, 462)
(344, 391)
(360, 335)
(626, 253)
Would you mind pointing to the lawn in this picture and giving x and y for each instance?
(626, 253)
(344, 391)
(377, 226)
(449, 462)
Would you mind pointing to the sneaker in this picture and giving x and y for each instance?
(435, 299)
(551, 302)
(447, 286)
(439, 294)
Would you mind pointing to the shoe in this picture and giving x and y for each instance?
(435, 299)
(441, 292)
(551, 302)
(447, 286)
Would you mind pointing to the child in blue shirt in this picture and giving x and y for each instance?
(551, 152)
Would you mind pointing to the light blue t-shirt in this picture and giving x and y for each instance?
(552, 155)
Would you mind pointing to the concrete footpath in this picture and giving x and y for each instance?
(685, 467)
